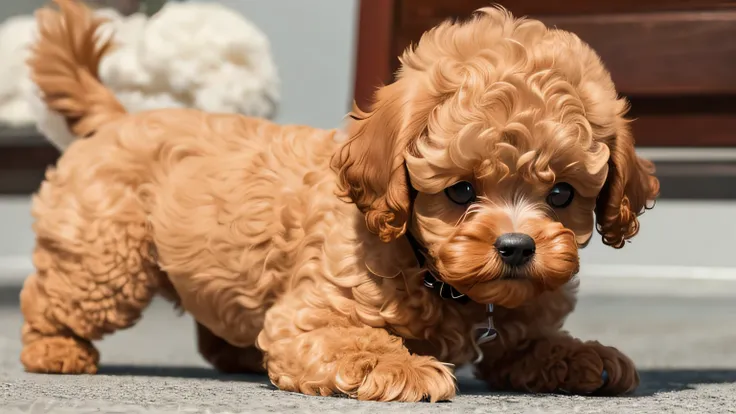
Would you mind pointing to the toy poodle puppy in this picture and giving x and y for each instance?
(443, 230)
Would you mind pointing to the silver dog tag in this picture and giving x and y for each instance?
(486, 332)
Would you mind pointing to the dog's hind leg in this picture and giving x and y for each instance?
(226, 357)
(94, 271)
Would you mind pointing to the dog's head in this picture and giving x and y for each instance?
(501, 146)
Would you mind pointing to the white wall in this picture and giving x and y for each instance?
(16, 237)
(14, 8)
(312, 43)
(676, 233)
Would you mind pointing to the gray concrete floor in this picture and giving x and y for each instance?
(684, 348)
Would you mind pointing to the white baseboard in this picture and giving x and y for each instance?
(657, 272)
(14, 268)
(688, 154)
(655, 280)
(595, 279)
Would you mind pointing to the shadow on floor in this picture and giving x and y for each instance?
(178, 372)
(653, 381)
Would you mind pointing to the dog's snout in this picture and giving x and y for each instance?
(515, 249)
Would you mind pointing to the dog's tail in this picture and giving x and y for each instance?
(64, 66)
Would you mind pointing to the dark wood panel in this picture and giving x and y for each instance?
(24, 157)
(684, 121)
(698, 130)
(23, 163)
(422, 9)
(20, 182)
(663, 53)
(683, 105)
(647, 54)
(27, 157)
(375, 47)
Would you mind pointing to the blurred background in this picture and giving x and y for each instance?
(675, 60)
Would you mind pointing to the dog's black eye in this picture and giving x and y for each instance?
(561, 195)
(461, 193)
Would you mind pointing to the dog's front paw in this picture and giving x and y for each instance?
(599, 369)
(591, 368)
(563, 364)
(412, 379)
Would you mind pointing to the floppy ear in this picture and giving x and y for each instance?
(630, 188)
(370, 165)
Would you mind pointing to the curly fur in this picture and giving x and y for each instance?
(237, 219)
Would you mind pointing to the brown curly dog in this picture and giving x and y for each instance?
(361, 267)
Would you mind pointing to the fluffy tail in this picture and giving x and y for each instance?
(64, 66)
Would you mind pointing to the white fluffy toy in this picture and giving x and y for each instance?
(16, 34)
(189, 54)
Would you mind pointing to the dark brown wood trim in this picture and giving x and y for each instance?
(423, 9)
(709, 130)
(24, 157)
(684, 121)
(375, 40)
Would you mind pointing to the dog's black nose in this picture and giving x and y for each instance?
(515, 249)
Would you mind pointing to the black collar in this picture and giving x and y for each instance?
(483, 332)
(445, 290)
(420, 252)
